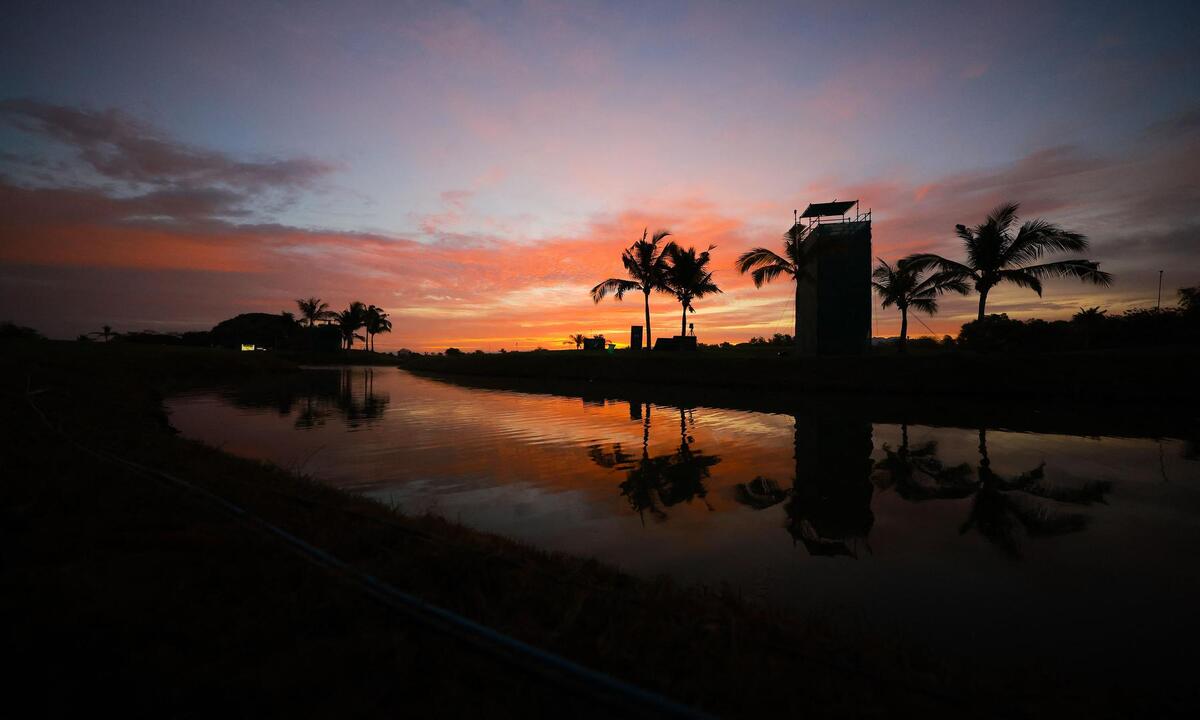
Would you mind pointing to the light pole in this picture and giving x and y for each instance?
(1159, 306)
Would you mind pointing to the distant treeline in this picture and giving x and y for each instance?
(265, 331)
(262, 330)
(1089, 329)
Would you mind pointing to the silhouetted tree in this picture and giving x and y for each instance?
(765, 265)
(105, 332)
(689, 278)
(905, 286)
(996, 255)
(350, 321)
(313, 309)
(646, 264)
(577, 338)
(1089, 319)
(1189, 299)
(375, 322)
(12, 331)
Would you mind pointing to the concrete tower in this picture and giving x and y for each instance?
(834, 301)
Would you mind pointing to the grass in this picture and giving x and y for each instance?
(122, 593)
(1151, 374)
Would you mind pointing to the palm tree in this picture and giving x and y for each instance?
(375, 322)
(577, 338)
(646, 265)
(799, 254)
(906, 286)
(689, 278)
(313, 309)
(350, 320)
(105, 332)
(996, 255)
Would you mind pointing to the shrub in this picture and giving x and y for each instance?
(9, 331)
(1089, 329)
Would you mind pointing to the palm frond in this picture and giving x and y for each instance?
(1085, 270)
(1039, 237)
(766, 274)
(928, 306)
(1021, 278)
(759, 256)
(1003, 216)
(615, 286)
(949, 268)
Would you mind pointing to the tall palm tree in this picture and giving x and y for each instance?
(906, 286)
(689, 278)
(996, 255)
(646, 264)
(375, 322)
(313, 309)
(799, 254)
(577, 338)
(350, 320)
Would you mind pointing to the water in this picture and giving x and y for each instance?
(1080, 547)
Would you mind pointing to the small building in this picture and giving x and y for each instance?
(834, 300)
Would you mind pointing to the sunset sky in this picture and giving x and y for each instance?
(475, 168)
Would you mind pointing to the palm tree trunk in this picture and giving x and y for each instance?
(982, 302)
(683, 322)
(648, 346)
(903, 329)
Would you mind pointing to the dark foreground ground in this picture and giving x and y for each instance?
(1090, 376)
(120, 592)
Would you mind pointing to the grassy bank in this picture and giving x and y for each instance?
(1151, 374)
(122, 592)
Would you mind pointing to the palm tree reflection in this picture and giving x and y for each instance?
(654, 483)
(313, 397)
(1003, 508)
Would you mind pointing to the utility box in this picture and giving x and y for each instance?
(635, 337)
(834, 300)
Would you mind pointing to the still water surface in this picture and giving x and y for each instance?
(1000, 539)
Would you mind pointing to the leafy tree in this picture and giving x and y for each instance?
(689, 278)
(646, 264)
(907, 286)
(996, 255)
(1189, 299)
